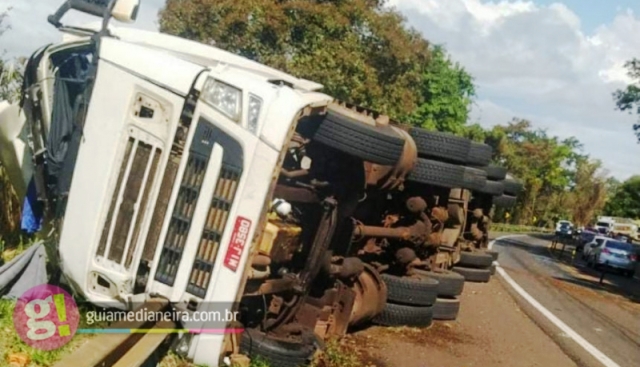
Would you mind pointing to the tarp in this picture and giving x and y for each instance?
(24, 272)
(32, 212)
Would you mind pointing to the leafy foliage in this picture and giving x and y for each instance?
(10, 80)
(628, 99)
(447, 91)
(358, 49)
(559, 181)
(625, 201)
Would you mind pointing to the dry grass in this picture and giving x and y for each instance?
(10, 210)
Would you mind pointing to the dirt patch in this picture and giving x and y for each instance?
(491, 331)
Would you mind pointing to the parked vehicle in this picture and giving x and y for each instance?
(585, 237)
(604, 225)
(564, 229)
(610, 253)
(563, 223)
(175, 169)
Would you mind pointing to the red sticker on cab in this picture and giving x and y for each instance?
(237, 243)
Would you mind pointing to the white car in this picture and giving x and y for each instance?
(563, 223)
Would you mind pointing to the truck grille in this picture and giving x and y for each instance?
(216, 221)
(188, 194)
(137, 174)
(218, 215)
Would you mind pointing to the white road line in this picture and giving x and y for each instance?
(595, 352)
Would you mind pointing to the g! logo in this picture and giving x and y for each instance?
(46, 317)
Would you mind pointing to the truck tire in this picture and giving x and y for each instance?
(473, 275)
(370, 143)
(401, 315)
(411, 291)
(494, 254)
(504, 201)
(493, 188)
(446, 309)
(479, 260)
(446, 175)
(495, 173)
(450, 284)
(479, 154)
(512, 187)
(257, 344)
(443, 146)
(474, 178)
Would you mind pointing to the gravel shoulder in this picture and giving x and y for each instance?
(491, 330)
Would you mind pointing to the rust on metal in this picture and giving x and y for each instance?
(370, 296)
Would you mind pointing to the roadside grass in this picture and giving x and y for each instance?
(337, 353)
(514, 228)
(12, 345)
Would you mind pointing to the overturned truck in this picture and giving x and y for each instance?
(168, 168)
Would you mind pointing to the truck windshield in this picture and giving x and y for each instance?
(602, 224)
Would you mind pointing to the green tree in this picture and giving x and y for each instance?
(628, 99)
(588, 194)
(626, 200)
(359, 50)
(544, 164)
(447, 91)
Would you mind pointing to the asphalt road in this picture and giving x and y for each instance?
(604, 316)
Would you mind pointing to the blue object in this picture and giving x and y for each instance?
(31, 220)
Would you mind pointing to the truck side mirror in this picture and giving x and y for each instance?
(121, 10)
(126, 10)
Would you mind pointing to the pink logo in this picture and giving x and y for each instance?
(46, 317)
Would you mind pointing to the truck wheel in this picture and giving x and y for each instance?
(257, 344)
(474, 179)
(411, 291)
(450, 284)
(446, 175)
(479, 154)
(443, 146)
(446, 309)
(493, 188)
(494, 254)
(479, 260)
(473, 275)
(512, 187)
(401, 315)
(495, 173)
(370, 143)
(504, 201)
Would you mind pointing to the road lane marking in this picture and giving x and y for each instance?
(595, 352)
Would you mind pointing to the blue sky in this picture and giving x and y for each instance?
(554, 63)
(594, 13)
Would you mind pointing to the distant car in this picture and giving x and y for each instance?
(610, 253)
(562, 223)
(564, 230)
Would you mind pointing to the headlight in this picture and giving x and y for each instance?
(255, 106)
(223, 97)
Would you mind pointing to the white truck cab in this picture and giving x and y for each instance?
(168, 147)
